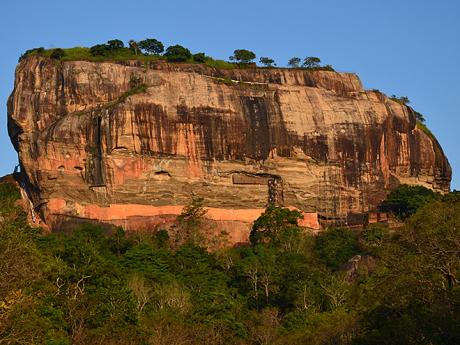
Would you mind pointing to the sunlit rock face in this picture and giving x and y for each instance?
(129, 143)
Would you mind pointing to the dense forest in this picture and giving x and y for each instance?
(371, 286)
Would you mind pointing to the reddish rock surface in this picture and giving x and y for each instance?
(94, 143)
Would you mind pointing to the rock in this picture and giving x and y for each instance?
(358, 265)
(128, 143)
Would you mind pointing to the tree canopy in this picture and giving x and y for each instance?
(267, 62)
(405, 200)
(311, 62)
(95, 285)
(151, 46)
(294, 62)
(177, 53)
(243, 56)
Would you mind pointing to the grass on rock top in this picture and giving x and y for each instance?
(123, 54)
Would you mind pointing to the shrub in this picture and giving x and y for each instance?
(100, 50)
(374, 236)
(177, 53)
(199, 57)
(32, 51)
(57, 53)
(327, 68)
(452, 197)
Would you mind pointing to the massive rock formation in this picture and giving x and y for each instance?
(128, 142)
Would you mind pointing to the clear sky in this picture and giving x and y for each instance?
(402, 47)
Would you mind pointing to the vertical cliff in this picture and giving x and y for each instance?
(127, 142)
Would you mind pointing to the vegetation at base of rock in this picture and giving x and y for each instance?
(405, 200)
(277, 226)
(289, 287)
(336, 246)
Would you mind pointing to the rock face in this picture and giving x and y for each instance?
(128, 143)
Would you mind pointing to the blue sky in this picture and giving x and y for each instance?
(403, 47)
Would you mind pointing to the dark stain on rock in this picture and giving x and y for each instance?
(258, 138)
(95, 170)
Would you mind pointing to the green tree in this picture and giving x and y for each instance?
(57, 53)
(416, 296)
(278, 226)
(335, 246)
(400, 99)
(30, 52)
(151, 46)
(406, 200)
(115, 44)
(177, 53)
(419, 117)
(242, 56)
(294, 62)
(452, 197)
(311, 62)
(199, 57)
(100, 50)
(134, 46)
(106, 49)
(267, 62)
(190, 222)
